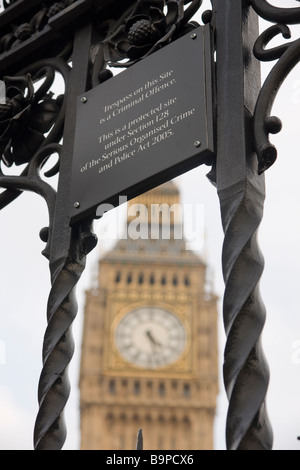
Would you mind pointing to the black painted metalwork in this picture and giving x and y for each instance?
(78, 40)
(34, 126)
(69, 248)
(241, 193)
(148, 28)
(288, 56)
(276, 14)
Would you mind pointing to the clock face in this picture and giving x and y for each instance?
(150, 337)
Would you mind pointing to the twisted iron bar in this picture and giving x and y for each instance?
(241, 193)
(58, 348)
(246, 374)
(69, 247)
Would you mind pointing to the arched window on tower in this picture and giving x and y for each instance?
(186, 390)
(112, 387)
(137, 388)
(161, 389)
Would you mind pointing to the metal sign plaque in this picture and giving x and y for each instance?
(144, 126)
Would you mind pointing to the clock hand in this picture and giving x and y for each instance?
(153, 340)
(154, 348)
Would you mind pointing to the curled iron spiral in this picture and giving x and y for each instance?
(288, 56)
(35, 123)
(36, 155)
(276, 14)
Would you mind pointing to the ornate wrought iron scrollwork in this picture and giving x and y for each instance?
(276, 14)
(31, 130)
(34, 112)
(288, 56)
(151, 25)
(22, 31)
(31, 126)
(26, 117)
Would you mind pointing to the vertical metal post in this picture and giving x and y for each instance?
(241, 192)
(67, 261)
(139, 440)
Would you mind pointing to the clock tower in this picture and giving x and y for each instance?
(149, 348)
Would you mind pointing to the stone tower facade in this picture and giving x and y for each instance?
(149, 348)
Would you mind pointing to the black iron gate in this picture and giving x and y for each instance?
(78, 39)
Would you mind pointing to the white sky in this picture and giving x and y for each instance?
(25, 286)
